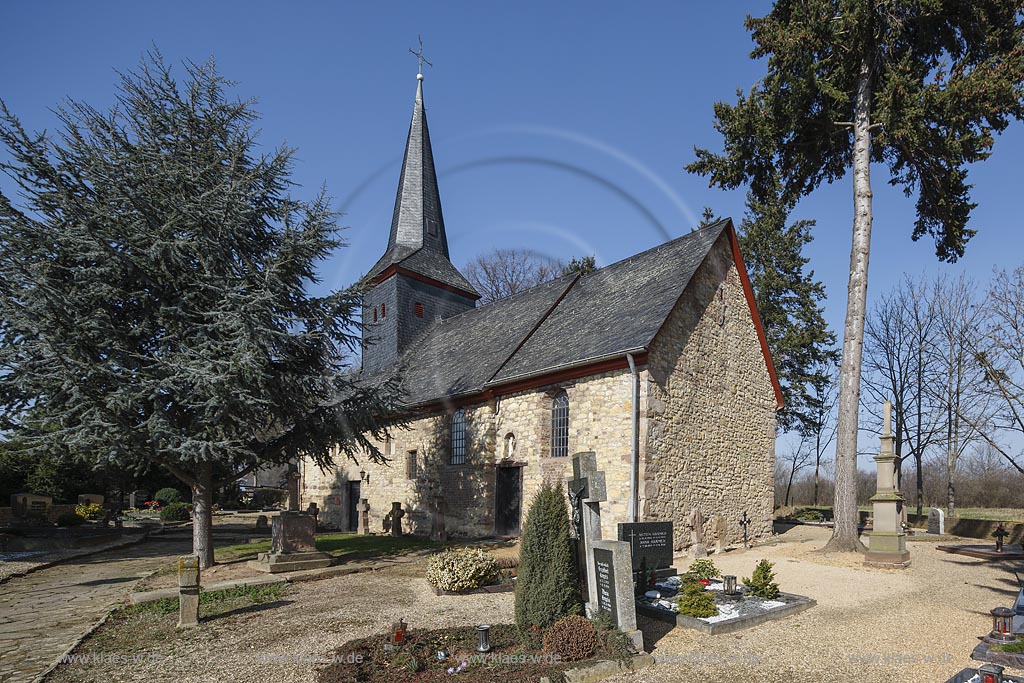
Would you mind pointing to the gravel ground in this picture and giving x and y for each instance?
(869, 625)
(287, 642)
(918, 624)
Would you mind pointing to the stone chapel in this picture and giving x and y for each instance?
(657, 363)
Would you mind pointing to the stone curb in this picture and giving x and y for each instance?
(85, 553)
(605, 669)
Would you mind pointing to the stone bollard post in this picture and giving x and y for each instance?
(188, 591)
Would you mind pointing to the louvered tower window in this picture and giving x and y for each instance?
(560, 425)
(458, 448)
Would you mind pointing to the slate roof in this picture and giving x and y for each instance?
(417, 240)
(562, 323)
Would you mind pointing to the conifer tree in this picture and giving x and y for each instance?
(922, 86)
(153, 272)
(546, 584)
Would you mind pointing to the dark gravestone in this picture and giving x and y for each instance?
(650, 543)
(604, 573)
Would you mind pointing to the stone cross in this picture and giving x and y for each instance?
(396, 518)
(587, 491)
(293, 491)
(887, 541)
(363, 522)
(188, 591)
(697, 547)
(721, 527)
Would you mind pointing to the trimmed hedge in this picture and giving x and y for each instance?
(462, 569)
(166, 496)
(176, 512)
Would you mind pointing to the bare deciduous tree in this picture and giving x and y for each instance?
(960, 317)
(504, 272)
(1001, 356)
(899, 364)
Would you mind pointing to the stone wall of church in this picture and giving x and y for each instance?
(711, 410)
(418, 470)
(599, 420)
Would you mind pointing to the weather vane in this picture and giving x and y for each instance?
(421, 60)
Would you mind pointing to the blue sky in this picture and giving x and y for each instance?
(561, 127)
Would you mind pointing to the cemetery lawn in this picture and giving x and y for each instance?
(338, 545)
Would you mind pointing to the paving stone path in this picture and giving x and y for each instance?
(43, 613)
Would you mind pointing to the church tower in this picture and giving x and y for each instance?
(414, 283)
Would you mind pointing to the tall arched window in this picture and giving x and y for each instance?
(560, 425)
(458, 445)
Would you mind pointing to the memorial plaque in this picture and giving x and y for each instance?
(649, 542)
(604, 572)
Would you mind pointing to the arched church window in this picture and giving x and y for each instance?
(560, 425)
(458, 445)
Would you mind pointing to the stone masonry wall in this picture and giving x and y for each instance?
(711, 410)
(468, 488)
(599, 420)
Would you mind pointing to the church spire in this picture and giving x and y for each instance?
(417, 222)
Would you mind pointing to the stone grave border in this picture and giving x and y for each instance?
(794, 605)
(984, 552)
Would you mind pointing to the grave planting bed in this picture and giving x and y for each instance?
(985, 552)
(734, 613)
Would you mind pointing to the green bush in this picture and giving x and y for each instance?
(546, 585)
(176, 512)
(572, 638)
(167, 496)
(89, 510)
(461, 569)
(704, 569)
(762, 583)
(809, 515)
(70, 519)
(696, 602)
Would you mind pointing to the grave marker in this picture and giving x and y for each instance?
(650, 544)
(188, 591)
(936, 521)
(613, 586)
(587, 491)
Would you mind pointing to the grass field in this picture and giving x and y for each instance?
(1015, 515)
(336, 544)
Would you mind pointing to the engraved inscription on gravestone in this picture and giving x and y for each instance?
(604, 571)
(649, 542)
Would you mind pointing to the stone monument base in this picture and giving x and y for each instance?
(887, 551)
(275, 563)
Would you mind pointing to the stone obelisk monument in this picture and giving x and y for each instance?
(888, 542)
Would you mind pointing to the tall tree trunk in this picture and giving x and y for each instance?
(202, 515)
(817, 463)
(845, 537)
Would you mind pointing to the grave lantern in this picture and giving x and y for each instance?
(990, 673)
(483, 632)
(729, 584)
(1002, 625)
(398, 632)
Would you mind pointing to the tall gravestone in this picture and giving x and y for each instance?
(586, 493)
(721, 527)
(613, 586)
(363, 519)
(697, 547)
(888, 541)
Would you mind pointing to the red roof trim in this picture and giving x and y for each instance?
(395, 268)
(748, 290)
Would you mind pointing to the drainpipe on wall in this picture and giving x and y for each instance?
(634, 462)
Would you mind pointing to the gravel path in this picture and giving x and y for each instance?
(918, 624)
(287, 643)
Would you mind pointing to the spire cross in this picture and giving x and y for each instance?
(420, 59)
